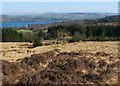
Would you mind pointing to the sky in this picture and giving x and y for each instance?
(57, 7)
(60, 0)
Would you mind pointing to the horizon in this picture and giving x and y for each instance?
(20, 8)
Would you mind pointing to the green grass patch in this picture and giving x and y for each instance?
(24, 31)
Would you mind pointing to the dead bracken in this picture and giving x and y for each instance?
(63, 68)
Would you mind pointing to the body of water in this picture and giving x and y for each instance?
(25, 23)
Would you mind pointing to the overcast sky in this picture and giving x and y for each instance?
(58, 7)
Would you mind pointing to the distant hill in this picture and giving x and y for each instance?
(114, 18)
(62, 16)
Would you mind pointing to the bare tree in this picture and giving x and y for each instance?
(61, 36)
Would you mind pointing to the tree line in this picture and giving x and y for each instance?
(93, 33)
(76, 32)
(11, 35)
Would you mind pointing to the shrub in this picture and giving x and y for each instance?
(37, 43)
(76, 37)
(73, 40)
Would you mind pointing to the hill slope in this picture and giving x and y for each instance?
(47, 16)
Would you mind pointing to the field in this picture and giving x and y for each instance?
(79, 62)
(24, 31)
(13, 51)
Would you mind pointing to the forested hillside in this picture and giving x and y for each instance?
(114, 18)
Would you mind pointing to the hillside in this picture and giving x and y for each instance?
(114, 18)
(47, 16)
